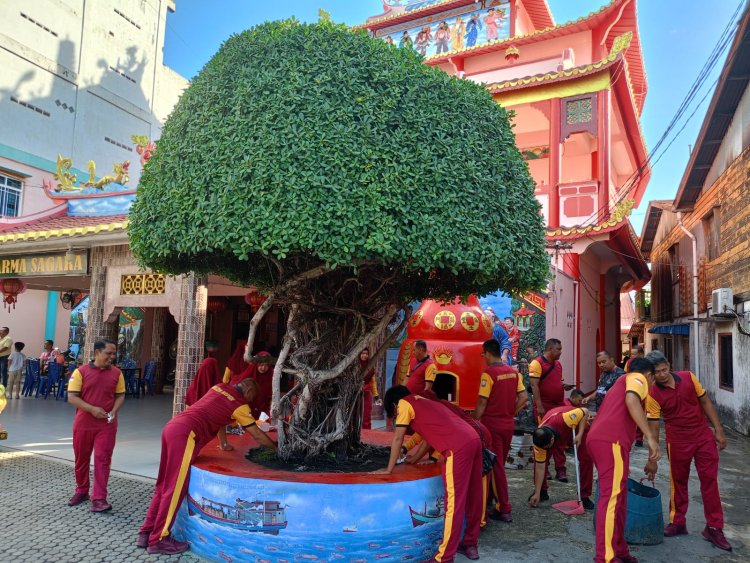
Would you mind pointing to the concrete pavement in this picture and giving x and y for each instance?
(36, 480)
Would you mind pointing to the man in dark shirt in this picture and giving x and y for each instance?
(610, 372)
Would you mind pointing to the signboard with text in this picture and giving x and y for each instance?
(49, 264)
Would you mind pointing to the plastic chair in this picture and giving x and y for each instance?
(62, 390)
(149, 371)
(32, 377)
(128, 373)
(54, 376)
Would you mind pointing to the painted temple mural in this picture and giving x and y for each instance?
(452, 30)
(240, 518)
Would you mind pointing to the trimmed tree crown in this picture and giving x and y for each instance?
(306, 144)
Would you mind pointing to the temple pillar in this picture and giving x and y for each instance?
(603, 154)
(554, 164)
(191, 335)
(158, 345)
(97, 326)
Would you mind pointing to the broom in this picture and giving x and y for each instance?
(572, 507)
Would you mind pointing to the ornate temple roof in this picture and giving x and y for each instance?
(61, 226)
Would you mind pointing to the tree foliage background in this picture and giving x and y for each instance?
(344, 178)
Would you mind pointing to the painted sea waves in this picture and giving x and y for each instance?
(228, 518)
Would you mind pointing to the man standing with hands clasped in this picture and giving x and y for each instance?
(680, 399)
(97, 391)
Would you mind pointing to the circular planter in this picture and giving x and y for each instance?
(239, 511)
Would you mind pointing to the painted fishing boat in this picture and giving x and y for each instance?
(427, 516)
(267, 516)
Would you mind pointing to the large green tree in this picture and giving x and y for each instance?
(345, 179)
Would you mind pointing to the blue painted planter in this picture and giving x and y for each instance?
(239, 518)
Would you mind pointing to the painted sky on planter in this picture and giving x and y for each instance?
(677, 38)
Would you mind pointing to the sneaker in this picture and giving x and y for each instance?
(468, 551)
(561, 475)
(100, 505)
(588, 504)
(142, 540)
(501, 516)
(544, 495)
(78, 498)
(716, 537)
(675, 530)
(168, 546)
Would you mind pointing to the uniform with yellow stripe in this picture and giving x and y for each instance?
(500, 386)
(688, 438)
(609, 442)
(461, 449)
(182, 439)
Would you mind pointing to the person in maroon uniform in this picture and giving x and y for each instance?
(182, 440)
(557, 425)
(461, 449)
(609, 442)
(369, 390)
(501, 396)
(422, 371)
(206, 377)
(680, 399)
(97, 391)
(546, 378)
(263, 376)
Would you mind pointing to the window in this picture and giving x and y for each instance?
(10, 196)
(711, 234)
(726, 367)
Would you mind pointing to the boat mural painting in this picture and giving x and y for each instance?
(428, 515)
(265, 516)
(250, 519)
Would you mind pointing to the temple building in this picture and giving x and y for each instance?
(576, 91)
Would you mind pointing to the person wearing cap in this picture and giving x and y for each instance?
(680, 399)
(608, 442)
(557, 426)
(182, 440)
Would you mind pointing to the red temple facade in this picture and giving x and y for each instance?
(576, 91)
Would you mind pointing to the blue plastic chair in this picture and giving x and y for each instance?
(32, 377)
(62, 390)
(128, 373)
(149, 371)
(54, 376)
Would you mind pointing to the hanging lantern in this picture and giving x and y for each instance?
(512, 54)
(255, 300)
(216, 304)
(10, 289)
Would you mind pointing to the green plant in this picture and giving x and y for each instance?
(344, 179)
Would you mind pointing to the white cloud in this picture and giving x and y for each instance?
(330, 514)
(398, 506)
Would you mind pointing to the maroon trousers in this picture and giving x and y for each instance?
(612, 464)
(100, 441)
(178, 450)
(462, 483)
(502, 435)
(703, 450)
(367, 409)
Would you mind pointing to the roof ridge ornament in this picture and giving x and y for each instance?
(66, 181)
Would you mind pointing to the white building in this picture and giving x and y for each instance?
(79, 79)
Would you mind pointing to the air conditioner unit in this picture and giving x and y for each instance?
(722, 302)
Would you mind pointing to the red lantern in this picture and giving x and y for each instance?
(10, 289)
(255, 300)
(216, 304)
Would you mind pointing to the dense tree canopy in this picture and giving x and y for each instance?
(302, 145)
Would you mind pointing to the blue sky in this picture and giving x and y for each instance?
(677, 37)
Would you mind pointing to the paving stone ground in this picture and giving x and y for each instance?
(37, 525)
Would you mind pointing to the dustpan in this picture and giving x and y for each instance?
(572, 507)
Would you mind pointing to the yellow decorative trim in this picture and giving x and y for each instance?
(621, 211)
(394, 16)
(622, 42)
(68, 232)
(142, 284)
(585, 85)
